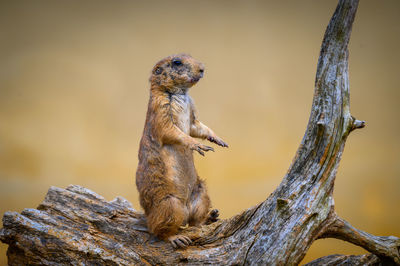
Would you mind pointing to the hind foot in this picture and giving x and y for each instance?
(212, 216)
(179, 241)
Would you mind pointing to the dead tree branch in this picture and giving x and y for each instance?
(384, 246)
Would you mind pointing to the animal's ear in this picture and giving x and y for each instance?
(158, 70)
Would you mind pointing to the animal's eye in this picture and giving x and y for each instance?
(177, 62)
(158, 70)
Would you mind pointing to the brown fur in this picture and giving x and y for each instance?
(170, 191)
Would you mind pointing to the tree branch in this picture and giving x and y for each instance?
(357, 124)
(345, 260)
(384, 246)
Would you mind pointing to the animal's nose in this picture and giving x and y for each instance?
(201, 70)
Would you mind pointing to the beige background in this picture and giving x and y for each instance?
(74, 91)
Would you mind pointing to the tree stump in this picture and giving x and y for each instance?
(76, 226)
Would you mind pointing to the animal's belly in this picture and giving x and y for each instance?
(183, 122)
(180, 167)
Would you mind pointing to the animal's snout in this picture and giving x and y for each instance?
(201, 71)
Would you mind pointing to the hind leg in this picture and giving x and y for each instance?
(199, 206)
(212, 216)
(165, 219)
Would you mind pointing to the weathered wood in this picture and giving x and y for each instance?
(339, 260)
(77, 226)
(384, 246)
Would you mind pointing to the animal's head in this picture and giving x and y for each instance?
(176, 73)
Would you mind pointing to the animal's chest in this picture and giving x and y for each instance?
(180, 106)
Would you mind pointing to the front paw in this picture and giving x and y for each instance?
(217, 141)
(201, 148)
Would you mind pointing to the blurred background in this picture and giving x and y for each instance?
(74, 92)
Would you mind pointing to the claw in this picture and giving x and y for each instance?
(179, 241)
(207, 148)
(186, 240)
(200, 151)
(200, 148)
(217, 141)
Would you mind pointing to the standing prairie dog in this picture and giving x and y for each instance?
(170, 191)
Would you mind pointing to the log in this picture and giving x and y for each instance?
(77, 226)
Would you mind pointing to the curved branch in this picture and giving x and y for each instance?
(384, 246)
(345, 260)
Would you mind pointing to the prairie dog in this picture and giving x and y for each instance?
(170, 191)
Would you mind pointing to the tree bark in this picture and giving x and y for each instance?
(336, 260)
(77, 226)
